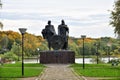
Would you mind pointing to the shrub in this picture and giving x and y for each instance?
(9, 56)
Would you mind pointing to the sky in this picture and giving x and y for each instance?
(83, 17)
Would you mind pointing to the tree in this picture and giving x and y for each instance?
(4, 42)
(16, 49)
(115, 17)
(31, 43)
(74, 47)
(1, 25)
(0, 4)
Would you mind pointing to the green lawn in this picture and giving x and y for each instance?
(97, 70)
(15, 70)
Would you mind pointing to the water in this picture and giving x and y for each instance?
(31, 60)
(89, 60)
(77, 60)
(80, 60)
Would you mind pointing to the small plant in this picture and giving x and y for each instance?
(115, 62)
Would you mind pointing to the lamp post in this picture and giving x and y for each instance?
(83, 37)
(22, 31)
(38, 54)
(97, 51)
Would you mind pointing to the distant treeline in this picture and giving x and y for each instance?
(10, 41)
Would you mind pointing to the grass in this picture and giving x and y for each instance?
(15, 70)
(97, 70)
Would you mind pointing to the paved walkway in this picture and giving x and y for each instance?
(58, 72)
(61, 72)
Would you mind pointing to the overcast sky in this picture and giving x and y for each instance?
(83, 17)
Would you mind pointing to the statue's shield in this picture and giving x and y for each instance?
(57, 42)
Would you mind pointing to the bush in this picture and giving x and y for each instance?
(115, 62)
(9, 56)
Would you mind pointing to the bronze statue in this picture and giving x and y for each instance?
(48, 32)
(55, 41)
(63, 31)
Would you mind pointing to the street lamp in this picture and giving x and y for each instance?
(97, 51)
(38, 54)
(22, 31)
(83, 37)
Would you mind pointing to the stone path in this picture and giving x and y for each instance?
(58, 72)
(62, 72)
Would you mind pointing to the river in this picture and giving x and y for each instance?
(77, 60)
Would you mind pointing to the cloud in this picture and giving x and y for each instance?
(82, 16)
(94, 31)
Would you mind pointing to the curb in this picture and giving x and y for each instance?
(41, 75)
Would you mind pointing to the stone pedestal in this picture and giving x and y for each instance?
(63, 57)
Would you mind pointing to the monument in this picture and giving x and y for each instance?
(59, 44)
(48, 32)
